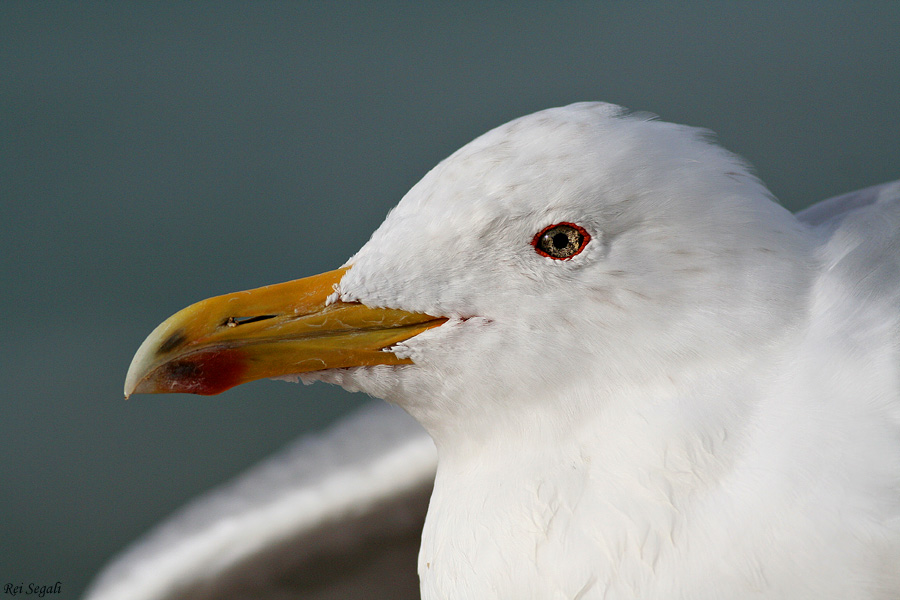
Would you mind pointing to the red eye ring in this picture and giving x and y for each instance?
(561, 241)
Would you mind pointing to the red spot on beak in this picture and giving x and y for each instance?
(207, 372)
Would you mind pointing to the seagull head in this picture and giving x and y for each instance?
(564, 263)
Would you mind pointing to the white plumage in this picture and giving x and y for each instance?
(702, 404)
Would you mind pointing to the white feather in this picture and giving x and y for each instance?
(325, 518)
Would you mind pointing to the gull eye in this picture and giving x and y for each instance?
(561, 241)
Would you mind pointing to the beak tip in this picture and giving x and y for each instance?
(136, 376)
(130, 388)
(143, 362)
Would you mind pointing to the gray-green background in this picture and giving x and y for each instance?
(156, 154)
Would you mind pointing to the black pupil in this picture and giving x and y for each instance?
(560, 241)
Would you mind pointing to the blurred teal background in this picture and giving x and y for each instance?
(154, 154)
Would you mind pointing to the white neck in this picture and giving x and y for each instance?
(610, 494)
(712, 492)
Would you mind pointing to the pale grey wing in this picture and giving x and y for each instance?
(337, 515)
(860, 235)
(834, 209)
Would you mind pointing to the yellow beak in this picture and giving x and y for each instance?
(272, 331)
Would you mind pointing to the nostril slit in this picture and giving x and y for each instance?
(235, 321)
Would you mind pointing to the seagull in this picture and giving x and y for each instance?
(639, 375)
